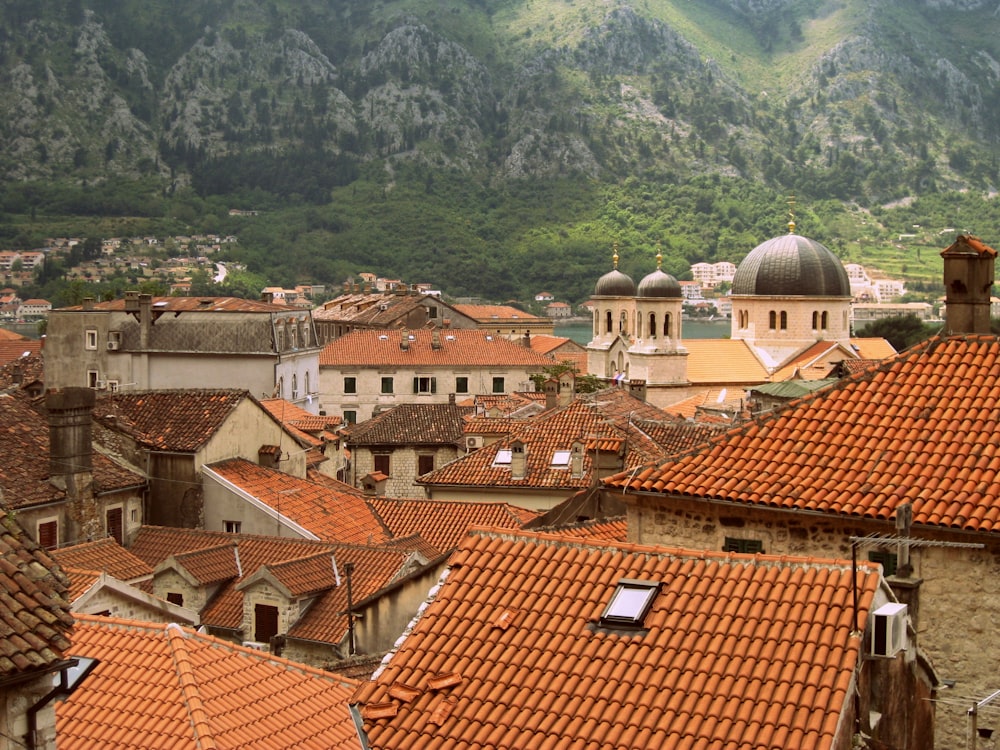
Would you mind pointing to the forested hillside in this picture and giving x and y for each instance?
(496, 148)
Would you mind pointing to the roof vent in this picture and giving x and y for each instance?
(889, 629)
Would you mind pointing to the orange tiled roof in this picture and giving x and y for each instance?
(444, 523)
(514, 404)
(324, 621)
(601, 529)
(35, 618)
(920, 428)
(207, 565)
(499, 314)
(80, 581)
(8, 335)
(319, 509)
(602, 421)
(15, 349)
(180, 420)
(103, 555)
(200, 304)
(22, 371)
(706, 356)
(873, 348)
(309, 428)
(167, 686)
(457, 348)
(735, 651)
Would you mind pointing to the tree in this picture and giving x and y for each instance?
(902, 331)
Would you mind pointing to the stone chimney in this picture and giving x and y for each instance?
(551, 387)
(968, 282)
(70, 414)
(518, 460)
(637, 388)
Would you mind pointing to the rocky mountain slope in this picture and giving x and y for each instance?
(846, 99)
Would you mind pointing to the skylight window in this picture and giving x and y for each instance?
(560, 459)
(502, 458)
(630, 603)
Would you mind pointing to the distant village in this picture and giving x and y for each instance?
(376, 517)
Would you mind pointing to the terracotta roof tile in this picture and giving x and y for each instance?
(167, 686)
(725, 657)
(466, 348)
(444, 523)
(180, 420)
(742, 366)
(500, 314)
(920, 428)
(201, 304)
(15, 349)
(104, 555)
(411, 424)
(602, 421)
(35, 618)
(309, 428)
(327, 513)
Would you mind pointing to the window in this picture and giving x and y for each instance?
(175, 598)
(91, 339)
(784, 320)
(772, 320)
(265, 623)
(743, 546)
(887, 560)
(232, 527)
(498, 386)
(432, 312)
(503, 457)
(350, 385)
(350, 416)
(295, 386)
(461, 384)
(424, 385)
(93, 381)
(425, 465)
(560, 459)
(381, 462)
(114, 522)
(386, 385)
(113, 386)
(48, 534)
(630, 603)
(607, 322)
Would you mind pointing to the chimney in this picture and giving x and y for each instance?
(404, 340)
(526, 340)
(518, 460)
(567, 387)
(638, 389)
(145, 319)
(70, 411)
(88, 303)
(267, 297)
(268, 456)
(968, 283)
(576, 459)
(551, 387)
(435, 339)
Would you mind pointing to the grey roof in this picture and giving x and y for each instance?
(659, 284)
(791, 265)
(615, 284)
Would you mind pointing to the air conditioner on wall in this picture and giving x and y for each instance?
(113, 346)
(889, 629)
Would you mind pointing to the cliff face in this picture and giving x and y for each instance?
(865, 98)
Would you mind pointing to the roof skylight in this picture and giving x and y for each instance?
(630, 603)
(502, 458)
(560, 459)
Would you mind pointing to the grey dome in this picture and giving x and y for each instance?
(615, 284)
(659, 284)
(791, 265)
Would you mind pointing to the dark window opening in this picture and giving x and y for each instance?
(743, 546)
(115, 525)
(265, 623)
(381, 461)
(887, 560)
(175, 598)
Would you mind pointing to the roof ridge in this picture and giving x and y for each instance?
(190, 689)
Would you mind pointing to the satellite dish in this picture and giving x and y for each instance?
(722, 396)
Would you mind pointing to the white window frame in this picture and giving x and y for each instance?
(90, 340)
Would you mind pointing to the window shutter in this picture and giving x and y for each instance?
(434, 385)
(416, 385)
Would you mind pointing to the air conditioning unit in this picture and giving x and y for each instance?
(100, 384)
(113, 346)
(889, 629)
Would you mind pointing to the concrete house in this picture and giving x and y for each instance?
(365, 372)
(897, 464)
(543, 640)
(142, 343)
(173, 433)
(364, 310)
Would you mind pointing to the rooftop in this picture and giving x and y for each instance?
(470, 348)
(732, 650)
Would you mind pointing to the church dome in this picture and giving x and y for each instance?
(615, 283)
(791, 265)
(659, 284)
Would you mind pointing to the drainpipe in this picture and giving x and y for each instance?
(349, 571)
(71, 673)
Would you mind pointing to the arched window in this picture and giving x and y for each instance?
(307, 383)
(823, 321)
(280, 390)
(607, 322)
(784, 320)
(295, 386)
(815, 320)
(652, 325)
(623, 323)
(668, 330)
(772, 320)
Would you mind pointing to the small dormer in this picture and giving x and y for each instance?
(374, 483)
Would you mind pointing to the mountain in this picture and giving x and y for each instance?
(281, 102)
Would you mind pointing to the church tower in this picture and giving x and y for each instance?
(657, 355)
(614, 313)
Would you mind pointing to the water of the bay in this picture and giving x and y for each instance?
(582, 332)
